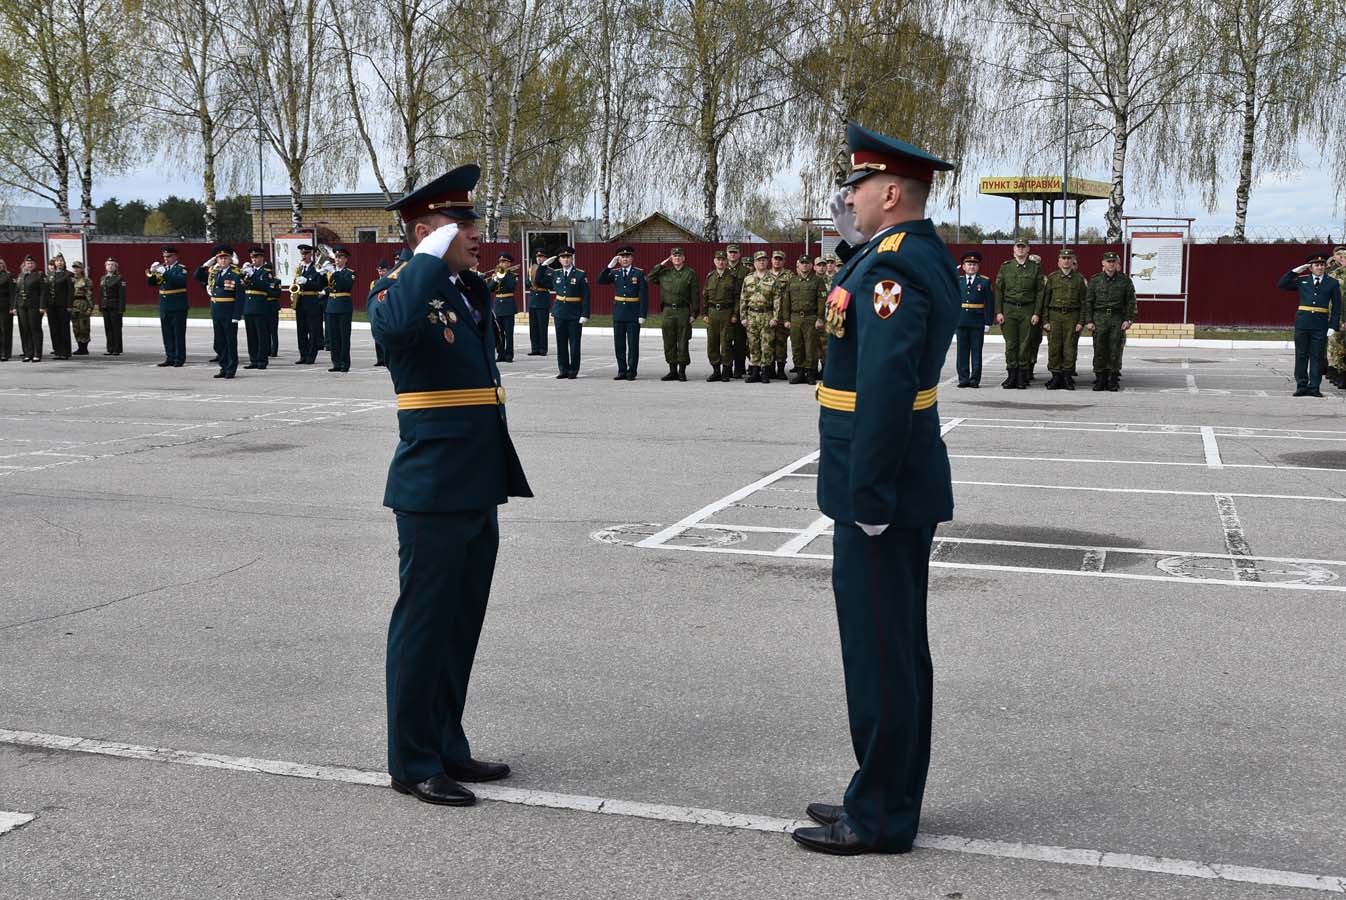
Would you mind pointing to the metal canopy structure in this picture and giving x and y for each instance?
(1044, 192)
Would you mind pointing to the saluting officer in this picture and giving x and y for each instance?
(630, 307)
(503, 283)
(539, 304)
(1065, 290)
(883, 478)
(1109, 310)
(678, 306)
(30, 302)
(974, 320)
(454, 466)
(1018, 299)
(170, 276)
(256, 309)
(307, 303)
(719, 304)
(805, 296)
(340, 308)
(1318, 316)
(570, 287)
(224, 283)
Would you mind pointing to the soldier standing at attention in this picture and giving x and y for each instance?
(1336, 344)
(454, 466)
(883, 478)
(306, 301)
(7, 294)
(719, 305)
(273, 309)
(678, 306)
(833, 266)
(340, 287)
(759, 305)
(170, 276)
(570, 286)
(1018, 299)
(739, 268)
(30, 301)
(973, 321)
(60, 299)
(380, 270)
(503, 282)
(1065, 292)
(630, 307)
(224, 283)
(1109, 310)
(781, 333)
(112, 303)
(256, 309)
(804, 297)
(1035, 330)
(1318, 317)
(539, 304)
(81, 308)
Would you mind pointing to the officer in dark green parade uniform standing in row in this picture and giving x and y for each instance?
(1018, 299)
(719, 306)
(883, 478)
(503, 283)
(539, 304)
(60, 300)
(170, 276)
(224, 284)
(1064, 293)
(1109, 310)
(678, 306)
(307, 303)
(7, 292)
(974, 319)
(273, 293)
(340, 309)
(257, 309)
(570, 287)
(1319, 315)
(112, 304)
(30, 302)
(453, 467)
(630, 308)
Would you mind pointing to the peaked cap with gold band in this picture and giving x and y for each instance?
(448, 195)
(872, 153)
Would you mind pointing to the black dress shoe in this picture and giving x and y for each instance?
(439, 789)
(476, 770)
(562, 375)
(250, 366)
(213, 359)
(620, 376)
(824, 813)
(178, 364)
(165, 364)
(1315, 393)
(837, 839)
(218, 375)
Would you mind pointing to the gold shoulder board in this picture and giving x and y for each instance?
(892, 242)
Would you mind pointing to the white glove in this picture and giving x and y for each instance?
(1330, 331)
(986, 329)
(872, 530)
(583, 319)
(549, 260)
(301, 280)
(248, 269)
(642, 322)
(157, 268)
(437, 242)
(327, 268)
(612, 263)
(843, 217)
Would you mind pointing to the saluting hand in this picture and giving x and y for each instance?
(437, 242)
(1125, 325)
(612, 263)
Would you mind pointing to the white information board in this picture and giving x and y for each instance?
(285, 254)
(1156, 262)
(68, 244)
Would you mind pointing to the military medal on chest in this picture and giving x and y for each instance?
(837, 302)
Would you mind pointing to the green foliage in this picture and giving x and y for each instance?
(115, 217)
(235, 220)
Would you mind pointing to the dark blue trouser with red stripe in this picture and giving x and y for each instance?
(880, 586)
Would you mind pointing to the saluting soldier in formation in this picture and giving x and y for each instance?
(539, 304)
(1336, 343)
(1318, 315)
(30, 302)
(60, 300)
(81, 307)
(1109, 310)
(630, 307)
(1065, 290)
(503, 283)
(257, 309)
(570, 287)
(974, 320)
(803, 304)
(719, 310)
(678, 306)
(340, 308)
(7, 300)
(170, 276)
(307, 303)
(1018, 299)
(739, 268)
(781, 333)
(224, 283)
(759, 305)
(112, 304)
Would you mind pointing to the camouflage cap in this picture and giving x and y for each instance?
(77, 264)
(1339, 249)
(779, 254)
(1111, 256)
(732, 248)
(720, 254)
(760, 254)
(1066, 253)
(820, 260)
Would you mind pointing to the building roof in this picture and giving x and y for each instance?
(374, 200)
(37, 216)
(655, 217)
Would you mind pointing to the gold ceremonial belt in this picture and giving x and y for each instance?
(844, 401)
(222, 299)
(974, 306)
(257, 294)
(570, 299)
(1321, 309)
(627, 299)
(492, 396)
(347, 294)
(510, 295)
(309, 293)
(163, 291)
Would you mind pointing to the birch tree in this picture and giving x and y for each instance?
(100, 35)
(34, 128)
(617, 56)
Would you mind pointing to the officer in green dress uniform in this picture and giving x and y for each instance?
(453, 467)
(503, 283)
(224, 284)
(738, 331)
(974, 319)
(257, 309)
(719, 304)
(30, 302)
(112, 303)
(1109, 310)
(1065, 290)
(340, 308)
(570, 287)
(7, 292)
(780, 333)
(1018, 299)
(805, 296)
(60, 300)
(170, 277)
(678, 306)
(1318, 317)
(630, 308)
(883, 478)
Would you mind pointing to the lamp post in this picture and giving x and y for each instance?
(1065, 19)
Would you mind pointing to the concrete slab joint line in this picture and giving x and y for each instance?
(687, 815)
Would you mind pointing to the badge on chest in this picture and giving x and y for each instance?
(887, 298)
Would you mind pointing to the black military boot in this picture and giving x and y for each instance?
(682, 371)
(1022, 383)
(812, 376)
(1055, 383)
(764, 374)
(1101, 381)
(1011, 379)
(752, 376)
(714, 374)
(672, 373)
(1113, 381)
(1069, 383)
(83, 349)
(780, 369)
(739, 368)
(798, 377)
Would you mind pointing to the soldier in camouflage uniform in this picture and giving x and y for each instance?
(1065, 292)
(81, 307)
(678, 308)
(1018, 307)
(829, 277)
(1109, 310)
(719, 308)
(781, 335)
(803, 307)
(759, 306)
(1336, 344)
(740, 269)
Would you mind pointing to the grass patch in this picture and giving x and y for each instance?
(1245, 334)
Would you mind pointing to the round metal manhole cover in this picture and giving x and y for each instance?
(1221, 568)
(690, 537)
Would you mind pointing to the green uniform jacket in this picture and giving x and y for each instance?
(30, 290)
(805, 298)
(1019, 284)
(1116, 295)
(720, 292)
(7, 292)
(1065, 291)
(677, 288)
(60, 289)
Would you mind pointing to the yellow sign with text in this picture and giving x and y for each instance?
(1033, 185)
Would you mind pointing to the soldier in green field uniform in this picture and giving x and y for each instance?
(1065, 292)
(739, 268)
(803, 308)
(719, 308)
(759, 306)
(780, 334)
(833, 263)
(1109, 310)
(1018, 299)
(81, 307)
(1336, 344)
(678, 305)
(1035, 330)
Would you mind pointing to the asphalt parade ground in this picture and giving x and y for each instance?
(1137, 619)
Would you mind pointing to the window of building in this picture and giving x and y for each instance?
(366, 235)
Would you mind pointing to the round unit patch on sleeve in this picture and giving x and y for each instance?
(887, 298)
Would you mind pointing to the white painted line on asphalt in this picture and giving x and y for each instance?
(1211, 447)
(1155, 491)
(1152, 428)
(1191, 384)
(11, 820)
(1093, 560)
(691, 815)
(1245, 569)
(949, 426)
(805, 537)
